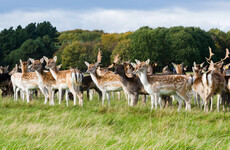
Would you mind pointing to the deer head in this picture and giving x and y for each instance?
(37, 64)
(23, 66)
(140, 66)
(51, 63)
(15, 69)
(91, 67)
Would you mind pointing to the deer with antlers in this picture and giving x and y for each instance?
(213, 81)
(108, 82)
(156, 85)
(66, 79)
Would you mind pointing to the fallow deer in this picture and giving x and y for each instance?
(66, 79)
(4, 70)
(226, 94)
(46, 79)
(152, 68)
(29, 81)
(107, 83)
(155, 85)
(213, 81)
(132, 85)
(166, 70)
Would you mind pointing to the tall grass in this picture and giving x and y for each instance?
(93, 126)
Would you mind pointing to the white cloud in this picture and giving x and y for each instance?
(120, 20)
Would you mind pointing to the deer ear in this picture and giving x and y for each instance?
(185, 68)
(55, 58)
(20, 61)
(194, 64)
(42, 60)
(7, 67)
(86, 63)
(31, 60)
(46, 59)
(134, 65)
(174, 65)
(137, 61)
(211, 63)
(147, 62)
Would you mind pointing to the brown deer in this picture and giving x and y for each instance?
(213, 81)
(177, 85)
(152, 68)
(109, 82)
(66, 79)
(226, 94)
(45, 78)
(132, 85)
(4, 69)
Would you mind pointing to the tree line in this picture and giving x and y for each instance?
(163, 45)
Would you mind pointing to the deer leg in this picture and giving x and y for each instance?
(88, 95)
(160, 101)
(218, 102)
(60, 94)
(113, 95)
(27, 95)
(108, 97)
(156, 100)
(211, 104)
(80, 97)
(71, 88)
(143, 99)
(66, 96)
(195, 98)
(152, 101)
(119, 95)
(103, 97)
(180, 101)
(16, 93)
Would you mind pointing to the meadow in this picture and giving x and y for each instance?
(37, 126)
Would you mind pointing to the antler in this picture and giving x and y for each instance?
(116, 59)
(226, 56)
(99, 56)
(210, 55)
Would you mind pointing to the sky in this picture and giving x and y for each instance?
(117, 15)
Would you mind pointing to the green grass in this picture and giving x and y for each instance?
(93, 126)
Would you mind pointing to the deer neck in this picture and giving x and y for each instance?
(94, 77)
(143, 77)
(54, 72)
(123, 78)
(39, 73)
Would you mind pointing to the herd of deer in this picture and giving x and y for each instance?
(134, 79)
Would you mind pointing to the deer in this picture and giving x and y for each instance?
(197, 74)
(152, 68)
(46, 79)
(4, 70)
(103, 70)
(155, 85)
(132, 85)
(66, 79)
(107, 83)
(29, 81)
(226, 94)
(213, 81)
(166, 70)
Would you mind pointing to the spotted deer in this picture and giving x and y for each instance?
(107, 83)
(66, 79)
(46, 79)
(155, 85)
(29, 81)
(213, 81)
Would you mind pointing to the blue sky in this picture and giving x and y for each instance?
(116, 15)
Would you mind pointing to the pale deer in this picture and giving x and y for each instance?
(66, 79)
(29, 81)
(132, 85)
(155, 85)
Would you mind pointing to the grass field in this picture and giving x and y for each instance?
(93, 126)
